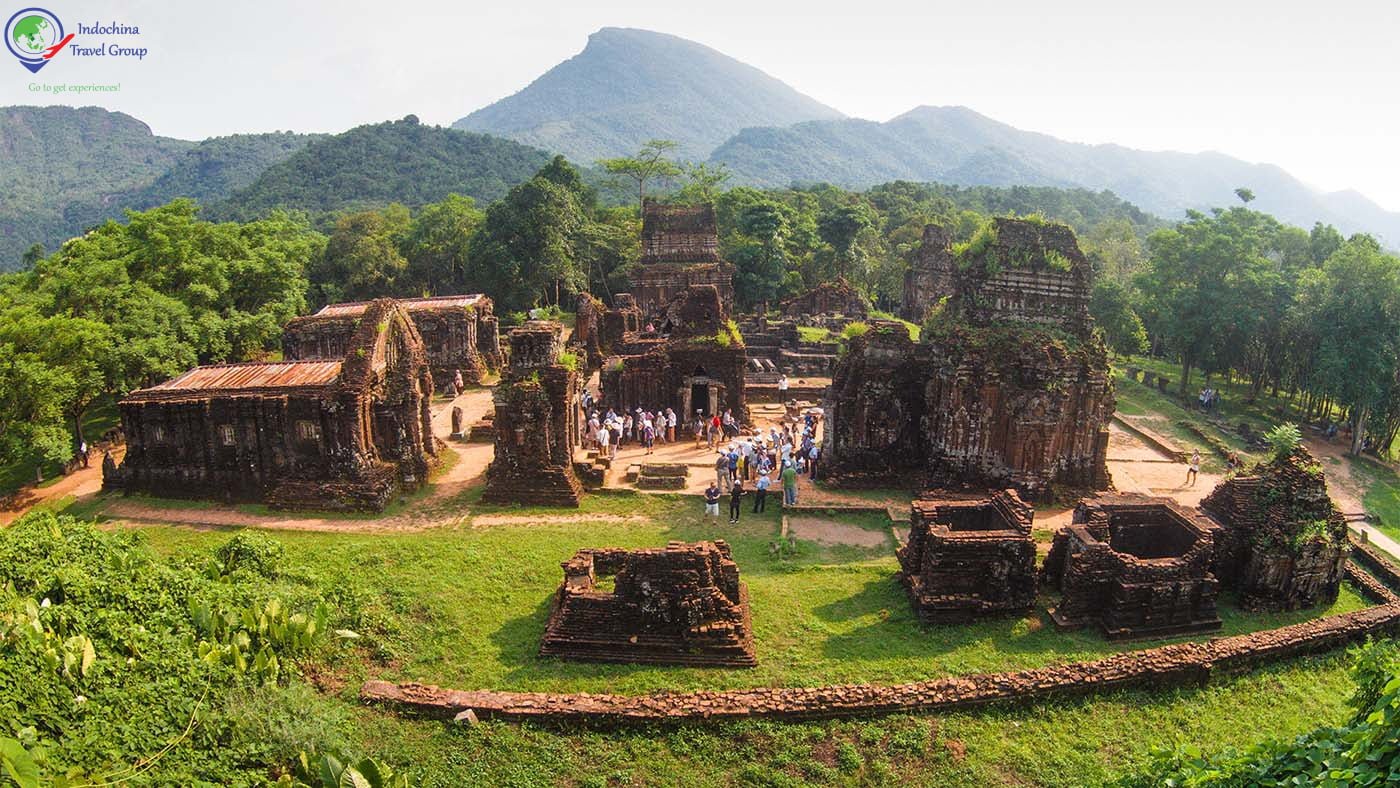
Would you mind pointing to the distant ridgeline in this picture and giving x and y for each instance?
(98, 164)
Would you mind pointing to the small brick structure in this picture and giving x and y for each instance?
(679, 605)
(838, 297)
(1137, 567)
(680, 249)
(346, 433)
(969, 558)
(536, 423)
(459, 332)
(1283, 541)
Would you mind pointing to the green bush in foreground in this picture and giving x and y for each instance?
(116, 665)
(1364, 751)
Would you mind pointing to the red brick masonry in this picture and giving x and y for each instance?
(1179, 664)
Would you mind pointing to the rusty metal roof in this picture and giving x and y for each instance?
(234, 378)
(411, 304)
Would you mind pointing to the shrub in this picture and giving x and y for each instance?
(251, 551)
(853, 330)
(1283, 439)
(569, 360)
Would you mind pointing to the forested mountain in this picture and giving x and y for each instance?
(64, 170)
(959, 146)
(401, 161)
(59, 164)
(628, 86)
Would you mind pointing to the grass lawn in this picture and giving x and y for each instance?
(464, 607)
(813, 333)
(1382, 494)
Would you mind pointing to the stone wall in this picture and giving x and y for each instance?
(536, 423)
(969, 558)
(1284, 541)
(679, 605)
(680, 249)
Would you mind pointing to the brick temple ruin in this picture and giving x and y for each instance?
(680, 249)
(679, 605)
(347, 433)
(460, 334)
(837, 300)
(536, 424)
(1135, 567)
(1009, 386)
(695, 362)
(1283, 541)
(969, 558)
(930, 276)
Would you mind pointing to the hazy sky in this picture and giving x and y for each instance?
(1312, 87)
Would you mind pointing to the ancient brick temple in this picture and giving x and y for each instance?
(536, 423)
(680, 605)
(695, 364)
(1283, 542)
(828, 298)
(1136, 567)
(344, 433)
(930, 276)
(459, 334)
(968, 558)
(1009, 387)
(600, 331)
(680, 249)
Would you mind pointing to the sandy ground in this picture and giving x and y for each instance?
(823, 531)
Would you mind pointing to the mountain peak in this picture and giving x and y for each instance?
(629, 85)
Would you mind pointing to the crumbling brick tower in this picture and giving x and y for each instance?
(1009, 386)
(1135, 566)
(930, 277)
(699, 366)
(681, 605)
(969, 558)
(1283, 541)
(536, 423)
(680, 249)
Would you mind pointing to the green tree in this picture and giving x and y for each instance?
(362, 259)
(651, 163)
(1112, 308)
(840, 228)
(436, 247)
(527, 250)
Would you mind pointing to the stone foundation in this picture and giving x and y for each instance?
(680, 605)
(1136, 567)
(968, 559)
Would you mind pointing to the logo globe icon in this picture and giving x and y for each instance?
(31, 33)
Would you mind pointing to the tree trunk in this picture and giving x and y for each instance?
(1185, 373)
(1358, 433)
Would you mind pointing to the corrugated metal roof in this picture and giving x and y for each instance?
(239, 377)
(439, 302)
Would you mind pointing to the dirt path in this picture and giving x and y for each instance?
(79, 484)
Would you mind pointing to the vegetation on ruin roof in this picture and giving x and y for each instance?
(1005, 338)
(568, 360)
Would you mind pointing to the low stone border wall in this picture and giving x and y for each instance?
(1180, 664)
(1152, 439)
